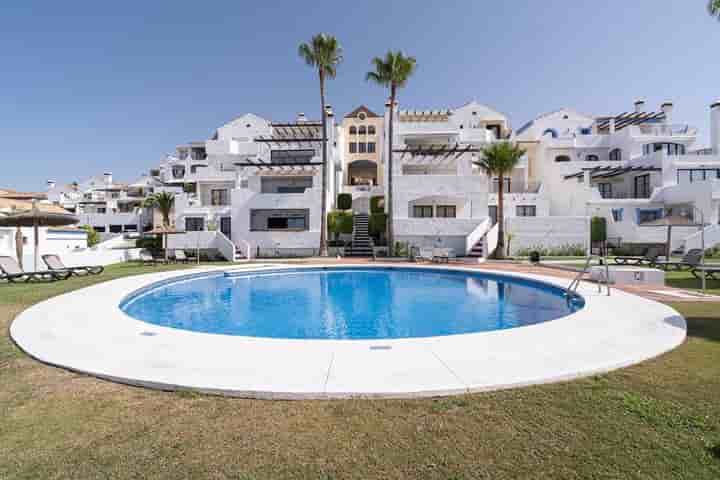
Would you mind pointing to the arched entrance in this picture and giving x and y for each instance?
(362, 172)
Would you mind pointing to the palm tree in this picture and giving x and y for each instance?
(163, 201)
(714, 8)
(324, 53)
(499, 159)
(393, 71)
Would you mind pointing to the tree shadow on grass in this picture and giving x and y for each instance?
(704, 327)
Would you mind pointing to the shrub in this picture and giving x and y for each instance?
(378, 224)
(340, 222)
(93, 237)
(153, 244)
(598, 229)
(567, 250)
(344, 201)
(377, 204)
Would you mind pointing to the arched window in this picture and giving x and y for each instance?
(562, 158)
(353, 130)
(616, 154)
(362, 130)
(592, 158)
(371, 130)
(550, 131)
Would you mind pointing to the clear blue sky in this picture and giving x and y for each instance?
(91, 86)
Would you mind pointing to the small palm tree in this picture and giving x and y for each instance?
(499, 159)
(163, 201)
(324, 53)
(393, 71)
(714, 8)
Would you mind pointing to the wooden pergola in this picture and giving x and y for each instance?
(609, 172)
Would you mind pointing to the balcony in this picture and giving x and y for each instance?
(427, 128)
(664, 130)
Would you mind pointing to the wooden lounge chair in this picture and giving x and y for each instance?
(148, 258)
(689, 261)
(649, 258)
(711, 272)
(54, 263)
(13, 273)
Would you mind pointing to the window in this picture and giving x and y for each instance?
(362, 147)
(492, 210)
(525, 211)
(446, 211)
(668, 148)
(97, 229)
(362, 130)
(116, 228)
(585, 131)
(422, 211)
(616, 154)
(617, 214)
(178, 171)
(371, 147)
(371, 130)
(194, 224)
(689, 175)
(362, 116)
(130, 228)
(353, 147)
(592, 158)
(605, 190)
(290, 220)
(562, 158)
(353, 130)
(642, 186)
(292, 156)
(219, 197)
(644, 216)
(550, 131)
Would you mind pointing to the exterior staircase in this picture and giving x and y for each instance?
(361, 245)
(239, 255)
(478, 250)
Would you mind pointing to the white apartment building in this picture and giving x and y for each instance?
(440, 197)
(256, 184)
(627, 168)
(109, 207)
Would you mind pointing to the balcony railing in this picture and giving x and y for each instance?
(663, 130)
(531, 187)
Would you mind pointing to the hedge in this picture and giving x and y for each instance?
(378, 224)
(377, 204)
(598, 229)
(340, 222)
(344, 201)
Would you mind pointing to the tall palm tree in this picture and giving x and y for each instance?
(163, 201)
(393, 71)
(324, 53)
(499, 159)
(714, 8)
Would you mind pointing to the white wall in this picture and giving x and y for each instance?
(547, 232)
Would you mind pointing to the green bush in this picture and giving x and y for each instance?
(567, 250)
(377, 225)
(93, 237)
(598, 229)
(377, 204)
(153, 244)
(340, 222)
(344, 201)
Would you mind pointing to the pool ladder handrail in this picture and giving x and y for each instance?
(572, 288)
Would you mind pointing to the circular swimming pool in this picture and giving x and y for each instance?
(349, 303)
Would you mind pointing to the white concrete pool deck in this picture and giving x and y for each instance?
(85, 331)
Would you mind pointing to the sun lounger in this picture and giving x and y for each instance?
(54, 263)
(711, 272)
(649, 258)
(148, 258)
(13, 273)
(690, 260)
(425, 254)
(440, 255)
(180, 256)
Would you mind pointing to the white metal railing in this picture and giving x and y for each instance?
(530, 187)
(476, 235)
(663, 130)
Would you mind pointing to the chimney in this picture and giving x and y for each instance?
(611, 125)
(108, 178)
(639, 106)
(329, 111)
(667, 109)
(715, 127)
(51, 184)
(301, 118)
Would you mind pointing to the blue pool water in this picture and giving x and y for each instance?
(342, 303)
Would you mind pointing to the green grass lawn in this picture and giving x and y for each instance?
(660, 419)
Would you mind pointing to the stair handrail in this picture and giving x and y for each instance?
(476, 235)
